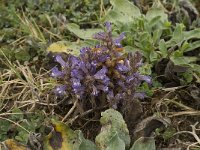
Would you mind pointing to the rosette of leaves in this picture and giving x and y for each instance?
(100, 73)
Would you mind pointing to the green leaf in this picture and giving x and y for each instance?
(163, 48)
(82, 33)
(192, 34)
(156, 16)
(156, 36)
(113, 126)
(157, 13)
(22, 55)
(116, 143)
(195, 68)
(85, 144)
(180, 36)
(153, 56)
(5, 126)
(183, 60)
(193, 46)
(123, 11)
(184, 46)
(17, 114)
(146, 69)
(169, 132)
(177, 37)
(144, 144)
(22, 136)
(130, 49)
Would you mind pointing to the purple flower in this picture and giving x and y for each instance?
(130, 78)
(79, 91)
(84, 50)
(103, 58)
(75, 73)
(60, 90)
(101, 36)
(98, 46)
(56, 73)
(110, 95)
(94, 91)
(102, 87)
(119, 39)
(139, 95)
(101, 74)
(59, 59)
(122, 68)
(88, 65)
(127, 63)
(119, 96)
(94, 63)
(74, 61)
(102, 47)
(93, 66)
(106, 80)
(76, 83)
(135, 60)
(121, 84)
(114, 99)
(145, 78)
(77, 87)
(82, 66)
(108, 26)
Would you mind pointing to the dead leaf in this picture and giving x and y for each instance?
(132, 112)
(148, 125)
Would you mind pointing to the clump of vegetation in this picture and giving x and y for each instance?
(99, 73)
(94, 68)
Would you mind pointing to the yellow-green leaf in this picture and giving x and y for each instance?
(67, 47)
(64, 138)
(11, 144)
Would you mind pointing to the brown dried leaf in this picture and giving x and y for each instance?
(148, 125)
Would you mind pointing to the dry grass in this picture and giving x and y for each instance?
(24, 88)
(182, 116)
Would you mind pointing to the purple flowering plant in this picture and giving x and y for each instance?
(101, 73)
